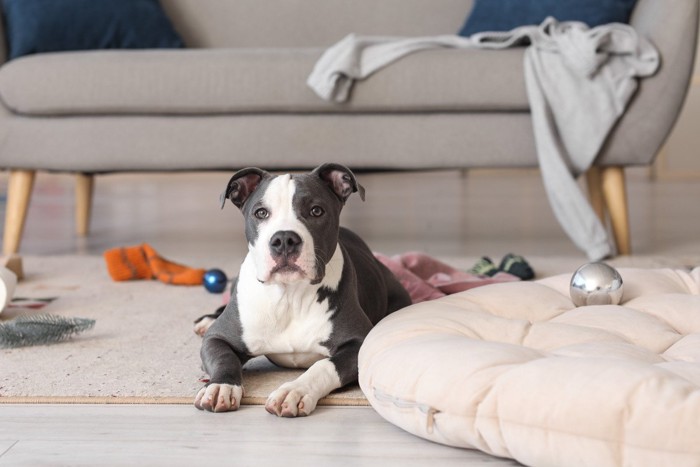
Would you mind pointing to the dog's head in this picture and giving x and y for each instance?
(292, 221)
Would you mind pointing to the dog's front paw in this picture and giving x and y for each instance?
(291, 400)
(219, 398)
(202, 325)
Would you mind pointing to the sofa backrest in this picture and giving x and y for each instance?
(309, 23)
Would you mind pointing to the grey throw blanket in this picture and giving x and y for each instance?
(579, 81)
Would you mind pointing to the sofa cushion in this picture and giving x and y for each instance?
(211, 81)
(504, 15)
(35, 26)
(309, 23)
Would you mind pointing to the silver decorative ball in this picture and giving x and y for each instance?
(596, 284)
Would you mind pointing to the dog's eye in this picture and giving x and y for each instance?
(262, 213)
(317, 211)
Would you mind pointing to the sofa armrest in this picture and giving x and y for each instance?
(672, 26)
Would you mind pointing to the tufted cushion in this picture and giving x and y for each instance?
(516, 370)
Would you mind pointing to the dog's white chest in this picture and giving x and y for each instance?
(286, 323)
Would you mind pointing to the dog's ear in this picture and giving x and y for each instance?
(341, 180)
(242, 185)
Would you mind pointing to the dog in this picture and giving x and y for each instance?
(307, 294)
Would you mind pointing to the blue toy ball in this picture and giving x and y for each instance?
(215, 280)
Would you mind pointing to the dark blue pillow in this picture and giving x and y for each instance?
(504, 15)
(34, 26)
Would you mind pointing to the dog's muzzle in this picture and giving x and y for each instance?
(285, 249)
(285, 244)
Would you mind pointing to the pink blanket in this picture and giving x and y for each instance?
(426, 278)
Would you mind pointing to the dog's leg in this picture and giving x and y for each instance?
(203, 323)
(219, 397)
(299, 397)
(223, 393)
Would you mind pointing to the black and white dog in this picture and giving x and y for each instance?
(307, 294)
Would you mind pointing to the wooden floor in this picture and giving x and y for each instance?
(444, 213)
(182, 435)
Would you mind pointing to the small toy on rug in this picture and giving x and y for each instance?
(41, 329)
(143, 262)
(512, 264)
(215, 280)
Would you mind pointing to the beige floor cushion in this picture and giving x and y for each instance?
(516, 370)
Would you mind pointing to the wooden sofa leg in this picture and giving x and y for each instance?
(595, 192)
(19, 192)
(615, 194)
(84, 184)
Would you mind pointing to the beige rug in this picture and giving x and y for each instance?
(142, 349)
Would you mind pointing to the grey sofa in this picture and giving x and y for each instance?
(237, 97)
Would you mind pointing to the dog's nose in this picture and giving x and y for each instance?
(285, 243)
